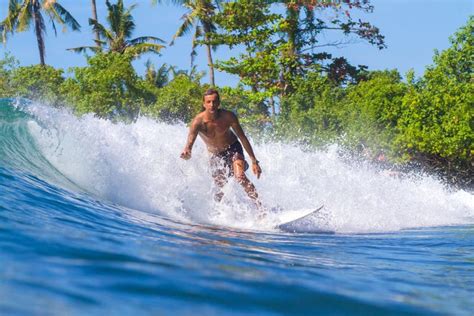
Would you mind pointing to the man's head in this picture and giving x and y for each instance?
(211, 99)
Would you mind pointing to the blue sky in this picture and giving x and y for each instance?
(412, 29)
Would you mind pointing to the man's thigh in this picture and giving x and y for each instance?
(239, 168)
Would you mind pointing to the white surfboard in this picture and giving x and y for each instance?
(300, 221)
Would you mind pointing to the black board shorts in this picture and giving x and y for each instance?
(225, 159)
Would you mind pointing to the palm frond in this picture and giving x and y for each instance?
(53, 25)
(164, 68)
(131, 8)
(97, 27)
(162, 76)
(127, 22)
(61, 14)
(144, 39)
(83, 49)
(149, 65)
(217, 4)
(24, 16)
(47, 4)
(100, 42)
(143, 48)
(113, 16)
(11, 21)
(197, 34)
(184, 28)
(53, 15)
(175, 2)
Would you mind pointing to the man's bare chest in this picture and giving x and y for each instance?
(216, 128)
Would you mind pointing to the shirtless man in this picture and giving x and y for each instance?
(226, 154)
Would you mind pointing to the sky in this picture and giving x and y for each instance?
(413, 29)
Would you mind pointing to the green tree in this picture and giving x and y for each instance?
(312, 114)
(7, 65)
(437, 120)
(249, 106)
(303, 28)
(108, 87)
(252, 25)
(179, 100)
(21, 14)
(117, 38)
(159, 78)
(282, 47)
(41, 83)
(371, 111)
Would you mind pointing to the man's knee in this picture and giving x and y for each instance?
(241, 177)
(220, 179)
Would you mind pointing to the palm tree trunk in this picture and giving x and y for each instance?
(94, 16)
(292, 17)
(211, 65)
(207, 30)
(38, 30)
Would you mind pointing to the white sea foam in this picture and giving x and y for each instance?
(137, 165)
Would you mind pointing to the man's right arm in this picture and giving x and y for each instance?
(193, 132)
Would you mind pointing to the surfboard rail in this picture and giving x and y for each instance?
(303, 223)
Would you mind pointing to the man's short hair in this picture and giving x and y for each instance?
(211, 92)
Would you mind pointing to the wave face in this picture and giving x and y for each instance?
(94, 214)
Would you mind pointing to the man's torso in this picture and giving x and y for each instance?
(216, 132)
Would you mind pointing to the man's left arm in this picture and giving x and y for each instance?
(245, 142)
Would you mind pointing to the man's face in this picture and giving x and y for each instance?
(211, 103)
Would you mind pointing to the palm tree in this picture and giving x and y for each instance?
(22, 13)
(159, 78)
(94, 17)
(199, 17)
(117, 37)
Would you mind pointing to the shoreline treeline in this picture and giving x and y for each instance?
(288, 86)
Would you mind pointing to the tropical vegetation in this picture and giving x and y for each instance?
(290, 88)
(200, 17)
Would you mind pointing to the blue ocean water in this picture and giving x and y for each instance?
(100, 218)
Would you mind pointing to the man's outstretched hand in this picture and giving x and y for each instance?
(186, 154)
(256, 169)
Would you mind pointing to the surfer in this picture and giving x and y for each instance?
(219, 130)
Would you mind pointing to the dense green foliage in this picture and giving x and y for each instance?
(108, 86)
(38, 83)
(372, 109)
(313, 112)
(437, 112)
(7, 64)
(283, 45)
(428, 120)
(179, 100)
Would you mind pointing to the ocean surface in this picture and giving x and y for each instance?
(99, 218)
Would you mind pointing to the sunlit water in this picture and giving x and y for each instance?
(99, 217)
